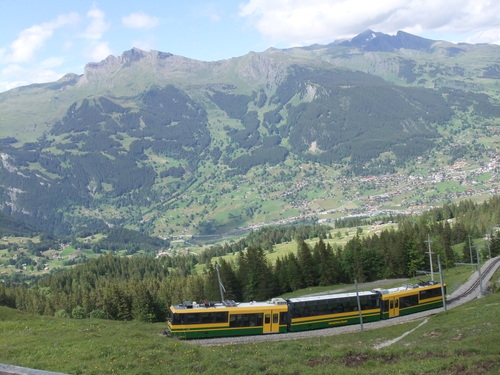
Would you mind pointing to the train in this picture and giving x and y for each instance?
(191, 320)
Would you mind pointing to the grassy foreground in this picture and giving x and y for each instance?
(462, 341)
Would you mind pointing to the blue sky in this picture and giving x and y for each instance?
(40, 41)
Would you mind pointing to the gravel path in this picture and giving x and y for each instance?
(356, 328)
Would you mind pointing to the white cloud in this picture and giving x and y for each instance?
(52, 62)
(146, 43)
(296, 22)
(20, 76)
(33, 38)
(97, 26)
(140, 20)
(486, 36)
(100, 51)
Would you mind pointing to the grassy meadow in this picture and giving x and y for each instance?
(463, 340)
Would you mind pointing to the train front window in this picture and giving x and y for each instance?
(176, 319)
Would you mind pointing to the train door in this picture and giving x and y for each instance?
(271, 322)
(393, 307)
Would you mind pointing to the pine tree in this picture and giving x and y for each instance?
(230, 281)
(327, 269)
(255, 275)
(495, 245)
(306, 263)
(211, 288)
(281, 277)
(446, 243)
(144, 306)
(294, 272)
(352, 263)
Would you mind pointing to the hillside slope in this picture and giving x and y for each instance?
(171, 145)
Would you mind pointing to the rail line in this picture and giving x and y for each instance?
(486, 272)
(475, 284)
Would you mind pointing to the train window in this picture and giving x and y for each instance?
(340, 307)
(275, 318)
(176, 319)
(368, 302)
(352, 304)
(246, 320)
(385, 306)
(200, 318)
(192, 319)
(332, 306)
(221, 317)
(408, 301)
(283, 317)
(430, 293)
(268, 318)
(206, 318)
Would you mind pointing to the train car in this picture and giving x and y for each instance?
(193, 320)
(410, 298)
(332, 310)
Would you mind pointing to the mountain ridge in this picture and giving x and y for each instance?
(146, 136)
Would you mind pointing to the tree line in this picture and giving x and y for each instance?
(142, 287)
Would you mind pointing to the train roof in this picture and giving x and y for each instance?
(407, 287)
(227, 304)
(330, 296)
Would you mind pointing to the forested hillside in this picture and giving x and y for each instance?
(142, 287)
(171, 146)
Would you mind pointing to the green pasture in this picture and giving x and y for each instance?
(463, 340)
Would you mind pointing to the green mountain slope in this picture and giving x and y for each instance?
(173, 146)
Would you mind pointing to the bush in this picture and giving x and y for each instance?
(62, 314)
(98, 314)
(78, 313)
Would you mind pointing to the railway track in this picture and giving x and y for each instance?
(462, 295)
(473, 284)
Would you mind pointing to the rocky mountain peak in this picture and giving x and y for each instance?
(380, 42)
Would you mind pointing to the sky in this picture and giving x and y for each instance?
(42, 40)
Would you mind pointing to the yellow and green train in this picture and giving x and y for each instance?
(192, 320)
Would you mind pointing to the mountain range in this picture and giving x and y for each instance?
(174, 146)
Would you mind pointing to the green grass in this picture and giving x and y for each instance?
(462, 341)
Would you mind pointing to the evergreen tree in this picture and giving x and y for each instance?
(211, 288)
(327, 268)
(446, 237)
(230, 281)
(281, 277)
(256, 275)
(294, 272)
(495, 245)
(144, 306)
(306, 263)
(352, 263)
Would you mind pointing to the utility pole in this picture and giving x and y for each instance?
(488, 236)
(479, 273)
(442, 284)
(470, 251)
(221, 287)
(359, 305)
(430, 255)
